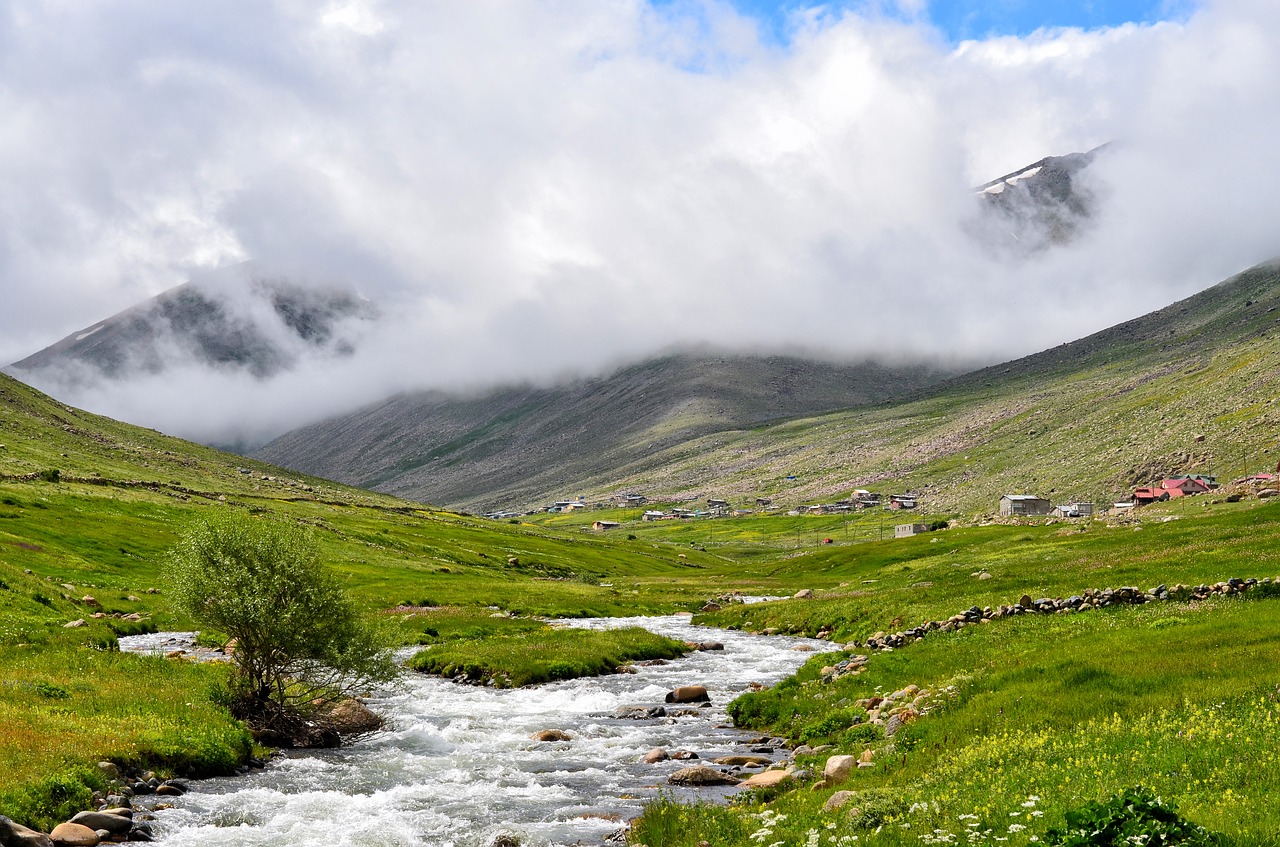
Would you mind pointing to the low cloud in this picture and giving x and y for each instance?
(529, 189)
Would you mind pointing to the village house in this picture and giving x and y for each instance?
(1255, 479)
(863, 498)
(906, 530)
(902, 501)
(1017, 505)
(764, 502)
(1209, 482)
(601, 526)
(1073, 510)
(653, 515)
(1184, 486)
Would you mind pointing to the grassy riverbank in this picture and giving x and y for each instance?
(510, 661)
(1028, 718)
(64, 708)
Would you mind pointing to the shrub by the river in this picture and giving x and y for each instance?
(301, 645)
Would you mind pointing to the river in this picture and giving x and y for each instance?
(456, 767)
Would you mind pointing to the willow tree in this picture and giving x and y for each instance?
(300, 644)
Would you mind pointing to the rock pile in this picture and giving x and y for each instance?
(1090, 598)
(715, 604)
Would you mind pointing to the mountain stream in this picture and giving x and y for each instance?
(455, 766)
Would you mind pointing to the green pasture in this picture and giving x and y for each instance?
(1029, 718)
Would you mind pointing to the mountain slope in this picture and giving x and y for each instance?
(519, 445)
(1044, 204)
(236, 318)
(1188, 388)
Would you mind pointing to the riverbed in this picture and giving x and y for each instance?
(456, 767)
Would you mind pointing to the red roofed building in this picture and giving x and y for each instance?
(1146, 496)
(1184, 487)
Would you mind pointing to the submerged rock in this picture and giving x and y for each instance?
(744, 761)
(639, 713)
(700, 775)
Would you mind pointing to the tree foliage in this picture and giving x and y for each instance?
(300, 645)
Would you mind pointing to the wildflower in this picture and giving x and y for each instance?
(1016, 827)
(811, 838)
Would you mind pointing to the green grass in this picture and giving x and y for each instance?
(1072, 708)
(905, 582)
(545, 656)
(1181, 698)
(63, 708)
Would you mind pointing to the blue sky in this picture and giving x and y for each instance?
(976, 19)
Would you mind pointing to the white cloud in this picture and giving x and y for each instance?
(528, 187)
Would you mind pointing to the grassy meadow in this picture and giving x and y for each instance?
(1025, 719)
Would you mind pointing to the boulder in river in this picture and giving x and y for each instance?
(689, 694)
(744, 761)
(351, 717)
(114, 824)
(657, 754)
(18, 835)
(74, 835)
(551, 735)
(700, 775)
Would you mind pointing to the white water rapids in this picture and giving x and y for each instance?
(456, 767)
